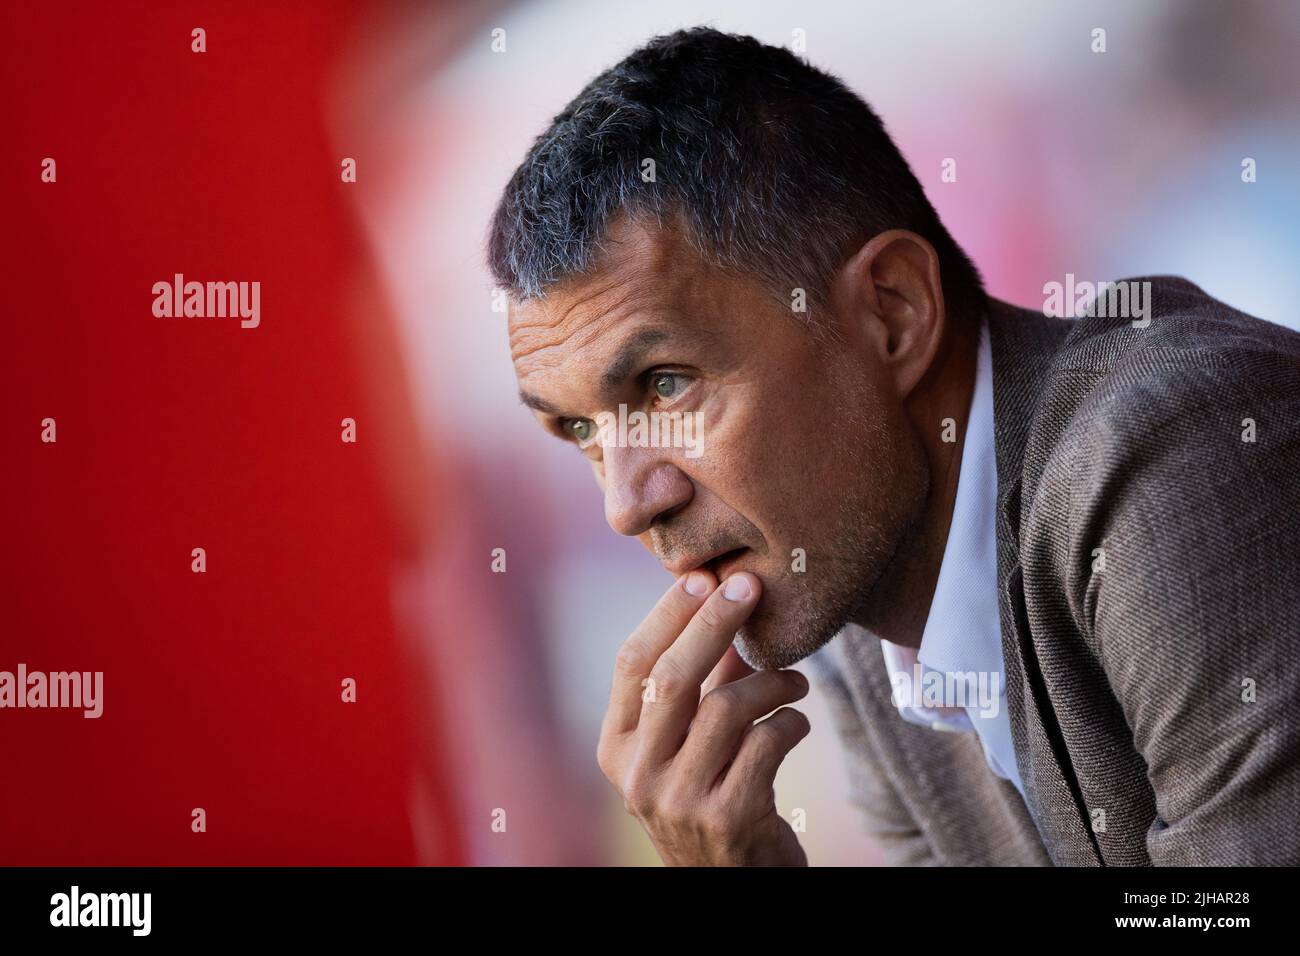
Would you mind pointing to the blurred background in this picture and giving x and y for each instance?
(481, 692)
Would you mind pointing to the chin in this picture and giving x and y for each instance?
(775, 637)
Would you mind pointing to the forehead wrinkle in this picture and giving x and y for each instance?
(630, 300)
(537, 321)
(534, 334)
(641, 276)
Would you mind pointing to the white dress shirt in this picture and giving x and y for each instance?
(963, 633)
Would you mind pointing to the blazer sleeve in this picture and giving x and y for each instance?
(886, 819)
(1190, 485)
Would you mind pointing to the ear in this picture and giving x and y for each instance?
(891, 291)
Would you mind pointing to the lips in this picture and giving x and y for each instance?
(724, 563)
(720, 563)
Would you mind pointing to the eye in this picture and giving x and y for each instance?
(667, 384)
(582, 429)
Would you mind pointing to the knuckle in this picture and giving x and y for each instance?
(639, 796)
(605, 759)
(667, 678)
(779, 733)
(766, 741)
(719, 706)
(630, 660)
(711, 616)
(714, 821)
(675, 810)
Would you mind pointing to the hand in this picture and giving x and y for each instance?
(694, 768)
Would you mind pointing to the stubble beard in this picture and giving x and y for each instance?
(807, 609)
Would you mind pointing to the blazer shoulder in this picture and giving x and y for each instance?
(1132, 415)
(1162, 323)
(1129, 378)
(1122, 392)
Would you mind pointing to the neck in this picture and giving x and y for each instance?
(900, 602)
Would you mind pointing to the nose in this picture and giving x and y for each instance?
(640, 485)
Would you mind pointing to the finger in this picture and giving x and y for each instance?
(726, 714)
(647, 643)
(680, 670)
(732, 667)
(747, 785)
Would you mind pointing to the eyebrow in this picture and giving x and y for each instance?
(630, 354)
(541, 404)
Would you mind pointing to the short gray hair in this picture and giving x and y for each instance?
(776, 169)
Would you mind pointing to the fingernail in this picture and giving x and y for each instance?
(697, 584)
(800, 679)
(737, 588)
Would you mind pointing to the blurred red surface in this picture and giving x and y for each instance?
(222, 689)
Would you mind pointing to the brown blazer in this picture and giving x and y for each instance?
(1154, 697)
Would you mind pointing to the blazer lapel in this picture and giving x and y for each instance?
(1024, 344)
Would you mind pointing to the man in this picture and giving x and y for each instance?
(1082, 533)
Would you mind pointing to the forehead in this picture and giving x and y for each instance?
(643, 277)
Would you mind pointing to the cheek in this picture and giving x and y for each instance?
(750, 478)
(839, 450)
(757, 446)
(787, 460)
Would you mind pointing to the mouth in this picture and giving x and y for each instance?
(725, 563)
(719, 564)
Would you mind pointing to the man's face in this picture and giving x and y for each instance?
(810, 473)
